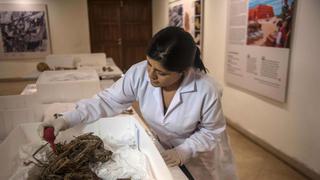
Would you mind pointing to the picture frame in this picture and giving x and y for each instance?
(188, 14)
(24, 31)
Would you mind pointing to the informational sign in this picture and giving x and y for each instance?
(187, 14)
(258, 45)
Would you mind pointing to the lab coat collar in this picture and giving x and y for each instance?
(188, 85)
(158, 96)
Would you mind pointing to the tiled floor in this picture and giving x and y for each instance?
(253, 162)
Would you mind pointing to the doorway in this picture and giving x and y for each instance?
(121, 29)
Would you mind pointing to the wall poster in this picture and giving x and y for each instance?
(24, 31)
(187, 14)
(258, 45)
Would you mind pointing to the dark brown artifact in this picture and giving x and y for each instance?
(72, 160)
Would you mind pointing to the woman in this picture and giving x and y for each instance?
(178, 101)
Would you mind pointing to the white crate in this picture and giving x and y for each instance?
(117, 126)
(106, 83)
(67, 86)
(76, 60)
(56, 61)
(105, 67)
(17, 109)
(29, 89)
(93, 59)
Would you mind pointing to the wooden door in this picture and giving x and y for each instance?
(136, 30)
(104, 20)
(121, 29)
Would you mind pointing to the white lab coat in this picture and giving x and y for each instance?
(193, 124)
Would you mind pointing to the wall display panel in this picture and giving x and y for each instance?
(187, 14)
(258, 45)
(24, 31)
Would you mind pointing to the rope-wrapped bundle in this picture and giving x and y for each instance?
(72, 160)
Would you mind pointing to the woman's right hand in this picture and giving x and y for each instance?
(58, 123)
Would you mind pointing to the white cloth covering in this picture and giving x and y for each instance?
(126, 161)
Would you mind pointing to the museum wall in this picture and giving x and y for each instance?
(69, 33)
(291, 127)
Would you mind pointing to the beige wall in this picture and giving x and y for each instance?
(69, 32)
(291, 127)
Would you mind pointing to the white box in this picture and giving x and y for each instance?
(58, 61)
(18, 109)
(94, 60)
(105, 67)
(106, 83)
(116, 126)
(111, 72)
(29, 89)
(67, 86)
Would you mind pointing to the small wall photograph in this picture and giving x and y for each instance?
(187, 14)
(176, 15)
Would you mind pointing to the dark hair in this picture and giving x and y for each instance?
(175, 49)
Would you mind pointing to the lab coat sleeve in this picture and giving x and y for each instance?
(107, 103)
(210, 128)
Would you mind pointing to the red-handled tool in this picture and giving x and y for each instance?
(48, 135)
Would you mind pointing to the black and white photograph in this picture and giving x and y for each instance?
(176, 16)
(187, 14)
(24, 33)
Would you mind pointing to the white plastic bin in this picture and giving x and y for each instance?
(17, 109)
(67, 86)
(116, 126)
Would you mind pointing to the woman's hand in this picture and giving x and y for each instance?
(58, 123)
(171, 157)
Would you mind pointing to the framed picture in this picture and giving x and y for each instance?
(187, 14)
(24, 31)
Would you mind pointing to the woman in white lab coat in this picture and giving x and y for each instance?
(178, 101)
